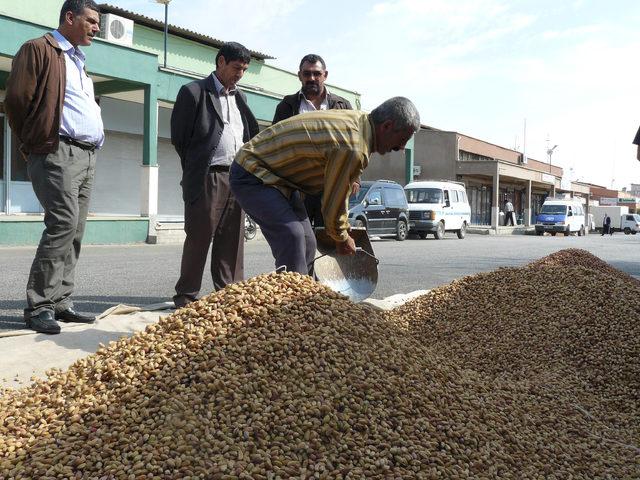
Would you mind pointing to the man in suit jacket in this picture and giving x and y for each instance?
(313, 95)
(209, 124)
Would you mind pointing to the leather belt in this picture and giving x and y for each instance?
(78, 143)
(219, 168)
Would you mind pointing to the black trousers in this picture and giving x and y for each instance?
(509, 219)
(214, 220)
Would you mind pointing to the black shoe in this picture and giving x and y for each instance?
(43, 322)
(70, 315)
(181, 301)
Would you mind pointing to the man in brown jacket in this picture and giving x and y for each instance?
(52, 110)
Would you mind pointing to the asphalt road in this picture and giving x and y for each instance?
(145, 274)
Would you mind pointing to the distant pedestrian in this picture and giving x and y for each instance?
(636, 141)
(51, 107)
(606, 225)
(508, 208)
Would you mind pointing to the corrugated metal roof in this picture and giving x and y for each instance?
(173, 29)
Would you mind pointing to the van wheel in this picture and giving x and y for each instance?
(360, 224)
(627, 230)
(463, 231)
(423, 235)
(401, 230)
(553, 234)
(539, 232)
(439, 234)
(634, 232)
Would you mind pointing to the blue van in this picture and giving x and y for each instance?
(561, 216)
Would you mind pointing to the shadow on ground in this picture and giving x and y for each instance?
(11, 311)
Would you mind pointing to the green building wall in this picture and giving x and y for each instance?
(182, 54)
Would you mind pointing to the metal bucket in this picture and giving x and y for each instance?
(355, 276)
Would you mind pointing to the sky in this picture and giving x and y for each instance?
(566, 72)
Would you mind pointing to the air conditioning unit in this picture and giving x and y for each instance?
(116, 29)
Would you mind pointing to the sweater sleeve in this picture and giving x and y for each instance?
(341, 171)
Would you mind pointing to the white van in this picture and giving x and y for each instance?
(561, 215)
(436, 206)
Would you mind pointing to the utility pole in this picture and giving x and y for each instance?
(550, 152)
(166, 26)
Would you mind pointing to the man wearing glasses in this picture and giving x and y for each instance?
(313, 95)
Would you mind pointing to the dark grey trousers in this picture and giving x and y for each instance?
(214, 217)
(62, 182)
(283, 222)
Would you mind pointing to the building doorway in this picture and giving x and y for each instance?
(480, 203)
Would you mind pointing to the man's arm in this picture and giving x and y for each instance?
(341, 171)
(182, 121)
(21, 86)
(283, 111)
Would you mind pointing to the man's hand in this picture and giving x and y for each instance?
(348, 247)
(355, 188)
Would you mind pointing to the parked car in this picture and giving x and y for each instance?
(437, 207)
(561, 216)
(381, 208)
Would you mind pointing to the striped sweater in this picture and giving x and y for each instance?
(322, 151)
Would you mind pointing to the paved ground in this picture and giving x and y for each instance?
(145, 274)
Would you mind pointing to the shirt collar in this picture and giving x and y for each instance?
(325, 99)
(66, 46)
(221, 89)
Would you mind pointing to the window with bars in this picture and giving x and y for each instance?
(465, 156)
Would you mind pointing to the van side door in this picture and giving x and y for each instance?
(455, 210)
(395, 201)
(447, 209)
(375, 211)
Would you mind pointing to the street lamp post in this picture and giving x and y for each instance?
(166, 26)
(550, 152)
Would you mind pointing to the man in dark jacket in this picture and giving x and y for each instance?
(52, 110)
(312, 96)
(209, 124)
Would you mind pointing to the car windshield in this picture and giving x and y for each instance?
(356, 199)
(554, 209)
(424, 195)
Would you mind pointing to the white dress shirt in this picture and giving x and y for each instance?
(307, 106)
(81, 117)
(233, 130)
